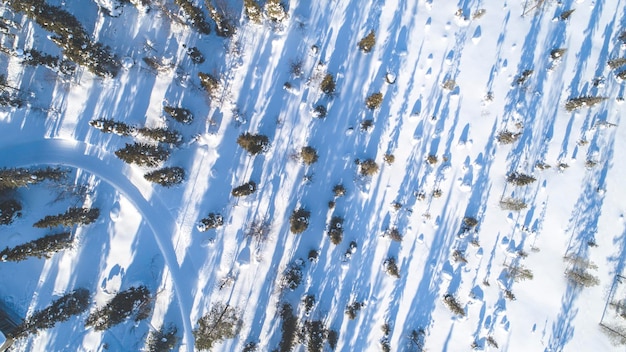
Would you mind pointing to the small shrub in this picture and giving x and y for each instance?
(167, 176)
(352, 309)
(367, 43)
(518, 273)
(212, 221)
(523, 77)
(389, 158)
(469, 222)
(391, 267)
(308, 155)
(9, 210)
(519, 179)
(220, 323)
(275, 11)
(557, 53)
(328, 84)
(368, 167)
(432, 159)
(60, 310)
(73, 216)
(459, 256)
(313, 255)
(339, 190)
(320, 111)
(244, 190)
(335, 230)
(581, 277)
(196, 55)
(367, 125)
(253, 143)
(309, 303)
(508, 137)
(617, 63)
(299, 220)
(41, 248)
(490, 340)
(394, 234)
(120, 308)
(374, 100)
(143, 154)
(210, 83)
(577, 103)
(454, 305)
(512, 204)
(621, 75)
(253, 11)
(162, 340)
(250, 347)
(179, 114)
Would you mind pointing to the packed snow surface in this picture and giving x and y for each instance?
(474, 94)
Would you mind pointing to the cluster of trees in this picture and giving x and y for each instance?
(69, 35)
(73, 216)
(133, 301)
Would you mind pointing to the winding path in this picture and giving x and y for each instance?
(106, 166)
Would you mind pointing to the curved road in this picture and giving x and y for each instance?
(106, 166)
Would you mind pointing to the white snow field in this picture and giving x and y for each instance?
(458, 79)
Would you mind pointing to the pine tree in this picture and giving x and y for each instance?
(161, 135)
(167, 176)
(121, 307)
(179, 114)
(335, 230)
(367, 43)
(210, 83)
(245, 189)
(220, 323)
(328, 84)
(60, 310)
(9, 209)
(253, 143)
(73, 216)
(43, 247)
(142, 154)
(299, 220)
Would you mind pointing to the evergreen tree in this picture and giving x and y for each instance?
(220, 323)
(121, 307)
(210, 83)
(179, 114)
(167, 176)
(112, 126)
(60, 310)
(253, 143)
(20, 177)
(299, 220)
(196, 16)
(43, 247)
(143, 154)
(245, 189)
(367, 43)
(212, 221)
(9, 209)
(73, 216)
(161, 135)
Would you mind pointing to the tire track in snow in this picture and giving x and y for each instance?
(104, 165)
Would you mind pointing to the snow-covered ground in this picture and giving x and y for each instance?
(451, 78)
